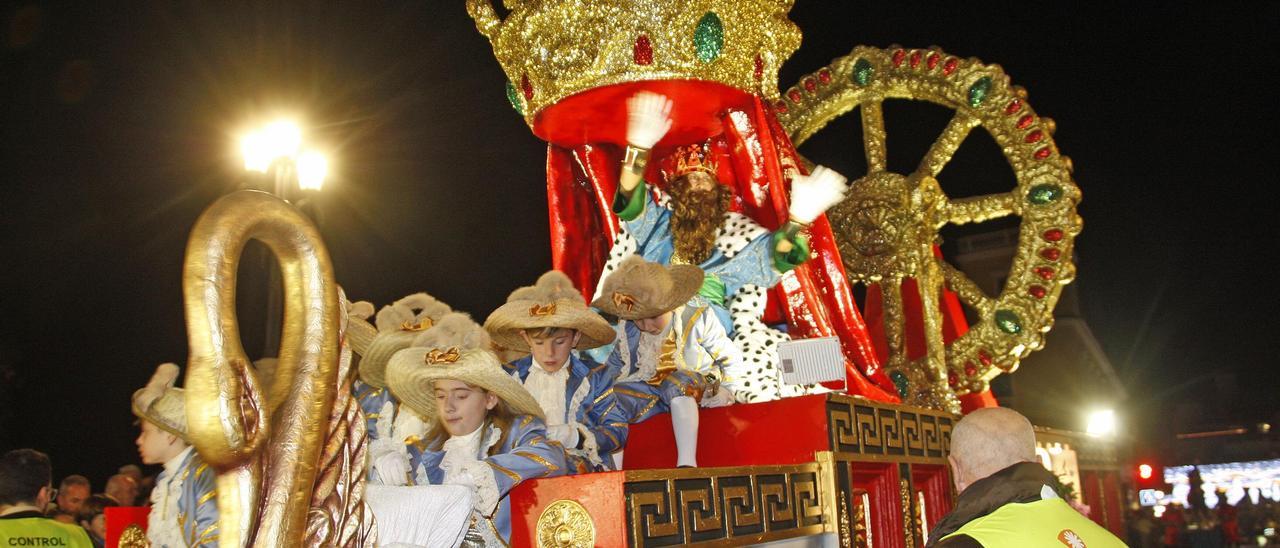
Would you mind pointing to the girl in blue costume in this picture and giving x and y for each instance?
(395, 328)
(486, 431)
(549, 320)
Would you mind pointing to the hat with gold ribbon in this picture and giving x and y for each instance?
(639, 289)
(551, 302)
(454, 348)
(398, 324)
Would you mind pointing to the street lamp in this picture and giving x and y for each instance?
(276, 149)
(278, 146)
(1102, 423)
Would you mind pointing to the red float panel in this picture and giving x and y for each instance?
(787, 431)
(121, 517)
(600, 493)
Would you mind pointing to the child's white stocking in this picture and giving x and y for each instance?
(684, 420)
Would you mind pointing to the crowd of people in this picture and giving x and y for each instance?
(1226, 525)
(32, 508)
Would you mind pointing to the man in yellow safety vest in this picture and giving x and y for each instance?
(1005, 495)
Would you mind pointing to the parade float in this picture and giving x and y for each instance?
(863, 466)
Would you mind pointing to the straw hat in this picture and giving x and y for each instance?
(161, 404)
(454, 348)
(551, 302)
(640, 289)
(397, 325)
(360, 332)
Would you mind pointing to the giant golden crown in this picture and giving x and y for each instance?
(553, 49)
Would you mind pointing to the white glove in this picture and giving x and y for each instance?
(392, 468)
(408, 424)
(812, 194)
(566, 434)
(721, 398)
(384, 425)
(648, 119)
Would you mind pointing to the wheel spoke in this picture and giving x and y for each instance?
(977, 209)
(894, 322)
(947, 143)
(966, 289)
(873, 136)
(930, 284)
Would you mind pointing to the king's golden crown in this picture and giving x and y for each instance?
(552, 49)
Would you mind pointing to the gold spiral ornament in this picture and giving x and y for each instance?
(888, 225)
(267, 464)
(564, 524)
(133, 537)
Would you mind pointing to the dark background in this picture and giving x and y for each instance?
(120, 124)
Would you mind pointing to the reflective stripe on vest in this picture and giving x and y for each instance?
(1050, 523)
(42, 532)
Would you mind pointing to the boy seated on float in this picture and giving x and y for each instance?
(184, 502)
(394, 329)
(550, 320)
(486, 431)
(670, 356)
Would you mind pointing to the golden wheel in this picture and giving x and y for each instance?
(888, 225)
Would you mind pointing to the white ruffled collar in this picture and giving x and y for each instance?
(470, 445)
(561, 374)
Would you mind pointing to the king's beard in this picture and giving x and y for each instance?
(695, 217)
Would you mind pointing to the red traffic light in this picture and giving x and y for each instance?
(1144, 471)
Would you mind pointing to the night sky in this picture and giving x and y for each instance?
(120, 124)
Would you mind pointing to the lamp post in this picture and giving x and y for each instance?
(276, 150)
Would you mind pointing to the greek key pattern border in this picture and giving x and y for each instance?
(861, 427)
(724, 506)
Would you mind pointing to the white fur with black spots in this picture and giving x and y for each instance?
(736, 232)
(759, 345)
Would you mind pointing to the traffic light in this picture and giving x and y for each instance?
(1148, 475)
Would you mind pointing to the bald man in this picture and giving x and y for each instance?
(123, 489)
(1006, 498)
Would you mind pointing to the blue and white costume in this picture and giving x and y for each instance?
(589, 405)
(651, 370)
(184, 504)
(746, 258)
(525, 453)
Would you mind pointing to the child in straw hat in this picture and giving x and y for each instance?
(184, 504)
(550, 320)
(670, 355)
(397, 325)
(486, 432)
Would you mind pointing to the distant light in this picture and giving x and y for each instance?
(1102, 423)
(280, 139)
(1144, 471)
(1264, 427)
(313, 167)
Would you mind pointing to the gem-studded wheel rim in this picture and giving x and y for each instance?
(1013, 323)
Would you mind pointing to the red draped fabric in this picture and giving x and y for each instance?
(753, 152)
